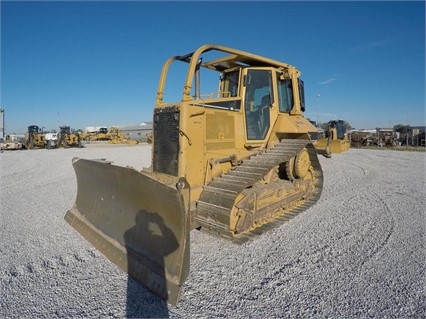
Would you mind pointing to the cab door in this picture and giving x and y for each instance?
(258, 99)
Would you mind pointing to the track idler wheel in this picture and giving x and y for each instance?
(298, 166)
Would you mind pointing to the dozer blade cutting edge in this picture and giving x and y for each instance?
(136, 221)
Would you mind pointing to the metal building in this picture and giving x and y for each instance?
(137, 132)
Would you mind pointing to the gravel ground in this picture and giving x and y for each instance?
(358, 253)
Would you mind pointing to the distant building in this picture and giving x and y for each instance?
(417, 136)
(418, 129)
(93, 129)
(137, 132)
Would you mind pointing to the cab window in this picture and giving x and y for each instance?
(258, 100)
(285, 95)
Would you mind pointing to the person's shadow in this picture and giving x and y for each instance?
(147, 243)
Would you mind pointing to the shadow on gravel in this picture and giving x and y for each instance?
(141, 303)
(147, 243)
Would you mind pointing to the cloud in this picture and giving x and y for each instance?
(328, 81)
(373, 44)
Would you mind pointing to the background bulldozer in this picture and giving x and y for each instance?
(116, 136)
(100, 135)
(34, 138)
(68, 138)
(95, 134)
(336, 139)
(149, 137)
(234, 161)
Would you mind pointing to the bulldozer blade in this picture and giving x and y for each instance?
(136, 221)
(339, 146)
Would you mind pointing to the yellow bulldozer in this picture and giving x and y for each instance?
(336, 139)
(234, 162)
(100, 135)
(34, 138)
(116, 136)
(96, 134)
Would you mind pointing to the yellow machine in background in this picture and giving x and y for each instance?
(97, 134)
(67, 138)
(336, 139)
(34, 138)
(149, 137)
(233, 162)
(116, 136)
(85, 136)
(100, 135)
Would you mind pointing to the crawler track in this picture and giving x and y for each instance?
(219, 197)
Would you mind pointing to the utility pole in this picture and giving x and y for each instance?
(1, 122)
(318, 96)
(406, 136)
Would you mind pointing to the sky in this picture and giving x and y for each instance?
(97, 63)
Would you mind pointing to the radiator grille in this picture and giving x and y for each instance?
(166, 141)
